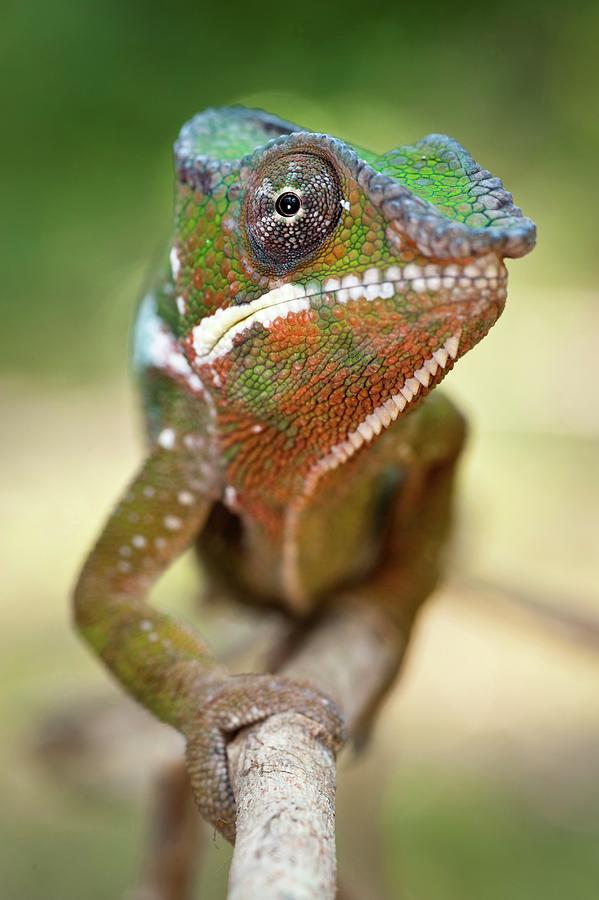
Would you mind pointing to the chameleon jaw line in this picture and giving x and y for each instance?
(484, 277)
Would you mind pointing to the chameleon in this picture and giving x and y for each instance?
(314, 295)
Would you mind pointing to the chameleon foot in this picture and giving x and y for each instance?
(246, 700)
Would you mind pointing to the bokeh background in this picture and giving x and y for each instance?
(483, 778)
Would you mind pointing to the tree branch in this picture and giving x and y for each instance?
(284, 777)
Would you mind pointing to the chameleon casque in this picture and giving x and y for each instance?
(315, 295)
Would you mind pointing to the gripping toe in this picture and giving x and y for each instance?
(241, 701)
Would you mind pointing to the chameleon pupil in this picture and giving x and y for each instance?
(292, 209)
(288, 204)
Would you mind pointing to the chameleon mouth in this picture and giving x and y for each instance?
(482, 279)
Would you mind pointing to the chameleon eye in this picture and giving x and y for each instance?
(292, 208)
(288, 204)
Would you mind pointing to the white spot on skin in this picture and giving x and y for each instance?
(431, 365)
(156, 346)
(145, 625)
(173, 523)
(138, 541)
(193, 441)
(423, 376)
(452, 343)
(345, 204)
(185, 498)
(257, 428)
(230, 496)
(214, 336)
(195, 384)
(175, 262)
(167, 438)
(148, 491)
(441, 356)
(366, 431)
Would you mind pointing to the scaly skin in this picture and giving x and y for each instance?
(315, 294)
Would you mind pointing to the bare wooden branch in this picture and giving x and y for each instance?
(284, 778)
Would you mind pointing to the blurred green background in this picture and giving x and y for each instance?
(483, 781)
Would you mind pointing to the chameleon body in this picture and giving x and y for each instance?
(314, 295)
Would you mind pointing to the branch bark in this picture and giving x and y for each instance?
(284, 777)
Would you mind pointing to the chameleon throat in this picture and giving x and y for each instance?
(379, 419)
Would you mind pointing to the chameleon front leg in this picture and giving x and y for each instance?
(163, 664)
(418, 529)
(421, 516)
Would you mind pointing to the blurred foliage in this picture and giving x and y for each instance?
(462, 838)
(93, 93)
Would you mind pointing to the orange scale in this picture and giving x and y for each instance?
(354, 322)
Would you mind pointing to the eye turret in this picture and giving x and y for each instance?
(293, 206)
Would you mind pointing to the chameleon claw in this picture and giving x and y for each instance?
(241, 701)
